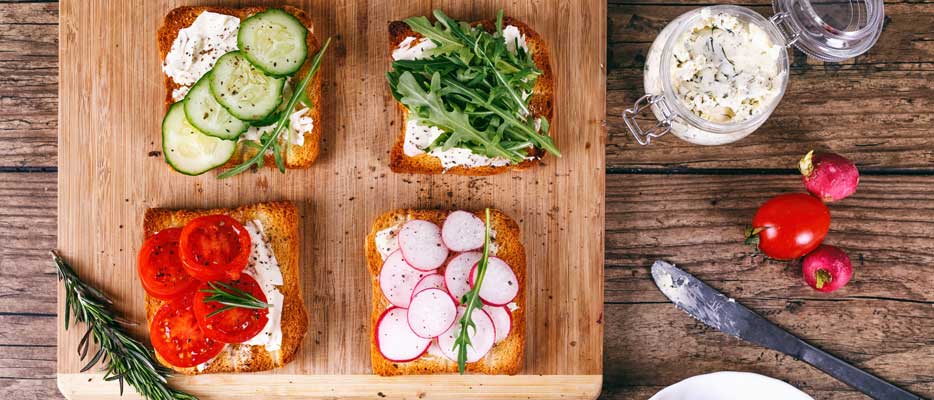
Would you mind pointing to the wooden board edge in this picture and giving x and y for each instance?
(249, 386)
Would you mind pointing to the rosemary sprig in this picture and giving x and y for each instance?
(123, 357)
(231, 297)
(471, 301)
(273, 139)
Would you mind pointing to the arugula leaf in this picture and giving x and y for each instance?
(499, 46)
(443, 38)
(471, 302)
(483, 86)
(526, 128)
(429, 107)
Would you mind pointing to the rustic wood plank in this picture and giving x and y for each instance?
(881, 320)
(28, 362)
(878, 109)
(30, 389)
(28, 84)
(698, 220)
(27, 230)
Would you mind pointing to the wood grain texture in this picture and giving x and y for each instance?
(637, 317)
(28, 84)
(891, 92)
(877, 109)
(882, 320)
(106, 180)
(357, 387)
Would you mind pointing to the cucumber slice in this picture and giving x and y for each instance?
(274, 41)
(188, 150)
(245, 91)
(207, 115)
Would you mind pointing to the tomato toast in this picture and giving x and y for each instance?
(443, 277)
(273, 232)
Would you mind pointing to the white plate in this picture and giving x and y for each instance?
(731, 386)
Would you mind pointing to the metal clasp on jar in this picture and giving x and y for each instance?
(791, 35)
(644, 137)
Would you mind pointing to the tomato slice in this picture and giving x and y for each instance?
(215, 247)
(160, 267)
(177, 337)
(234, 325)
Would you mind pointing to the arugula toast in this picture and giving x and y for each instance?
(540, 103)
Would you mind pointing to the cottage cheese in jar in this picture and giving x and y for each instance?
(720, 71)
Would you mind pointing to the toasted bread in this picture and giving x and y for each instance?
(296, 156)
(541, 104)
(506, 357)
(280, 224)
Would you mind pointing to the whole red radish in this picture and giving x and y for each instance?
(789, 226)
(827, 268)
(828, 176)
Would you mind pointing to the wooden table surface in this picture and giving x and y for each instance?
(673, 200)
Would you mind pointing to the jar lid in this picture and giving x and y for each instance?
(830, 30)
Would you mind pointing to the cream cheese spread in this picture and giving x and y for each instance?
(299, 125)
(264, 267)
(725, 69)
(197, 48)
(413, 48)
(418, 137)
(514, 36)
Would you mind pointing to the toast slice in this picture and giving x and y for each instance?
(540, 104)
(296, 156)
(507, 356)
(280, 224)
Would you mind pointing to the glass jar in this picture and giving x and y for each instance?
(832, 31)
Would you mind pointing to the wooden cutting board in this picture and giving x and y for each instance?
(111, 171)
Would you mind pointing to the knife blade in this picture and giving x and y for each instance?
(726, 315)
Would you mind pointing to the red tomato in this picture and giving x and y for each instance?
(160, 267)
(235, 325)
(176, 336)
(791, 225)
(215, 247)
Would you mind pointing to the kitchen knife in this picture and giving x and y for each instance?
(718, 311)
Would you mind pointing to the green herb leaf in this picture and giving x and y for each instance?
(273, 139)
(484, 87)
(432, 110)
(231, 297)
(124, 358)
(442, 36)
(471, 302)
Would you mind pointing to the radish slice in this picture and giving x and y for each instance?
(397, 279)
(500, 284)
(463, 231)
(421, 245)
(435, 281)
(457, 273)
(481, 340)
(395, 339)
(431, 313)
(502, 321)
